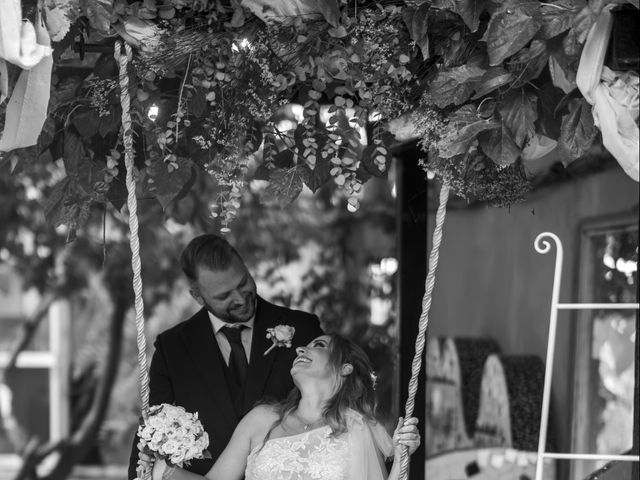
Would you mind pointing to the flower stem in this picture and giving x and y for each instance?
(269, 349)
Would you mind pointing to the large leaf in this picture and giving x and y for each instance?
(549, 97)
(74, 151)
(537, 147)
(519, 113)
(470, 11)
(285, 185)
(65, 206)
(494, 77)
(499, 146)
(461, 131)
(55, 201)
(169, 181)
(99, 14)
(455, 85)
(509, 30)
(577, 132)
(86, 122)
(316, 178)
(330, 11)
(416, 20)
(557, 17)
(108, 124)
(528, 63)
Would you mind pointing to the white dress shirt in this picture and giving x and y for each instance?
(245, 335)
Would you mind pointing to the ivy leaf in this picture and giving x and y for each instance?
(519, 113)
(562, 76)
(416, 20)
(550, 97)
(499, 146)
(316, 178)
(337, 32)
(463, 127)
(197, 104)
(580, 27)
(109, 123)
(577, 132)
(99, 14)
(528, 63)
(455, 85)
(74, 151)
(494, 77)
(557, 17)
(238, 18)
(470, 11)
(509, 30)
(86, 122)
(65, 206)
(167, 185)
(330, 11)
(285, 185)
(537, 147)
(55, 201)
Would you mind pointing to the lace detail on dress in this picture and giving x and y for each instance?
(312, 455)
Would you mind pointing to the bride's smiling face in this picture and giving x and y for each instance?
(314, 360)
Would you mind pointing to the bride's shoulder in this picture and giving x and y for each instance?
(262, 415)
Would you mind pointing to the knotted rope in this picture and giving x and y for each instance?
(424, 317)
(134, 242)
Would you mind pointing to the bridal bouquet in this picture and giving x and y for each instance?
(174, 435)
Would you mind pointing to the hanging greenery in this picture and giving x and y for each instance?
(306, 92)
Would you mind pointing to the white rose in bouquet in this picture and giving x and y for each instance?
(174, 435)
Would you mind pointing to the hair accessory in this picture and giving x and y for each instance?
(374, 378)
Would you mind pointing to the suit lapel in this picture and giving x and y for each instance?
(203, 348)
(260, 365)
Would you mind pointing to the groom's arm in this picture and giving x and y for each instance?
(160, 391)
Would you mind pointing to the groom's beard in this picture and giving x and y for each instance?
(235, 313)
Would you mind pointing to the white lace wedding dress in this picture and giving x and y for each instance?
(317, 455)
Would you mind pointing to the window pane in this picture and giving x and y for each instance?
(613, 339)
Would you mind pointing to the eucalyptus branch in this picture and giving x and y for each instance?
(184, 80)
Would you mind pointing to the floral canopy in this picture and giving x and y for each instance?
(310, 92)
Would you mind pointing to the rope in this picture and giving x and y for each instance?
(134, 241)
(424, 317)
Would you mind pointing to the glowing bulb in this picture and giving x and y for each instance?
(153, 112)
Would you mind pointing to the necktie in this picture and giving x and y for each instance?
(238, 364)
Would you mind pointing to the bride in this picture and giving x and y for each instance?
(324, 430)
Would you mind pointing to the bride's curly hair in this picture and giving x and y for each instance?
(355, 391)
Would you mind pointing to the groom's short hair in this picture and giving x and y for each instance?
(209, 251)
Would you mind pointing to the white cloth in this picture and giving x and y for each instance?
(29, 48)
(19, 43)
(614, 96)
(357, 454)
(246, 335)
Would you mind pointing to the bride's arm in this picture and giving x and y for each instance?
(406, 434)
(233, 461)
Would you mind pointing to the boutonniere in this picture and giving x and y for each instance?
(281, 336)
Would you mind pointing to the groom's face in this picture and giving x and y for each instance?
(229, 294)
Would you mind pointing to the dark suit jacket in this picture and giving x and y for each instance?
(188, 369)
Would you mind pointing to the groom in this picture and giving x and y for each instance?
(214, 363)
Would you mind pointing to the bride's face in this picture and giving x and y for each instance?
(314, 360)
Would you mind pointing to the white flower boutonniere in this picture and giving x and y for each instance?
(281, 336)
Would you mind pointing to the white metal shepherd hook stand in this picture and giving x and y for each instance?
(544, 246)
